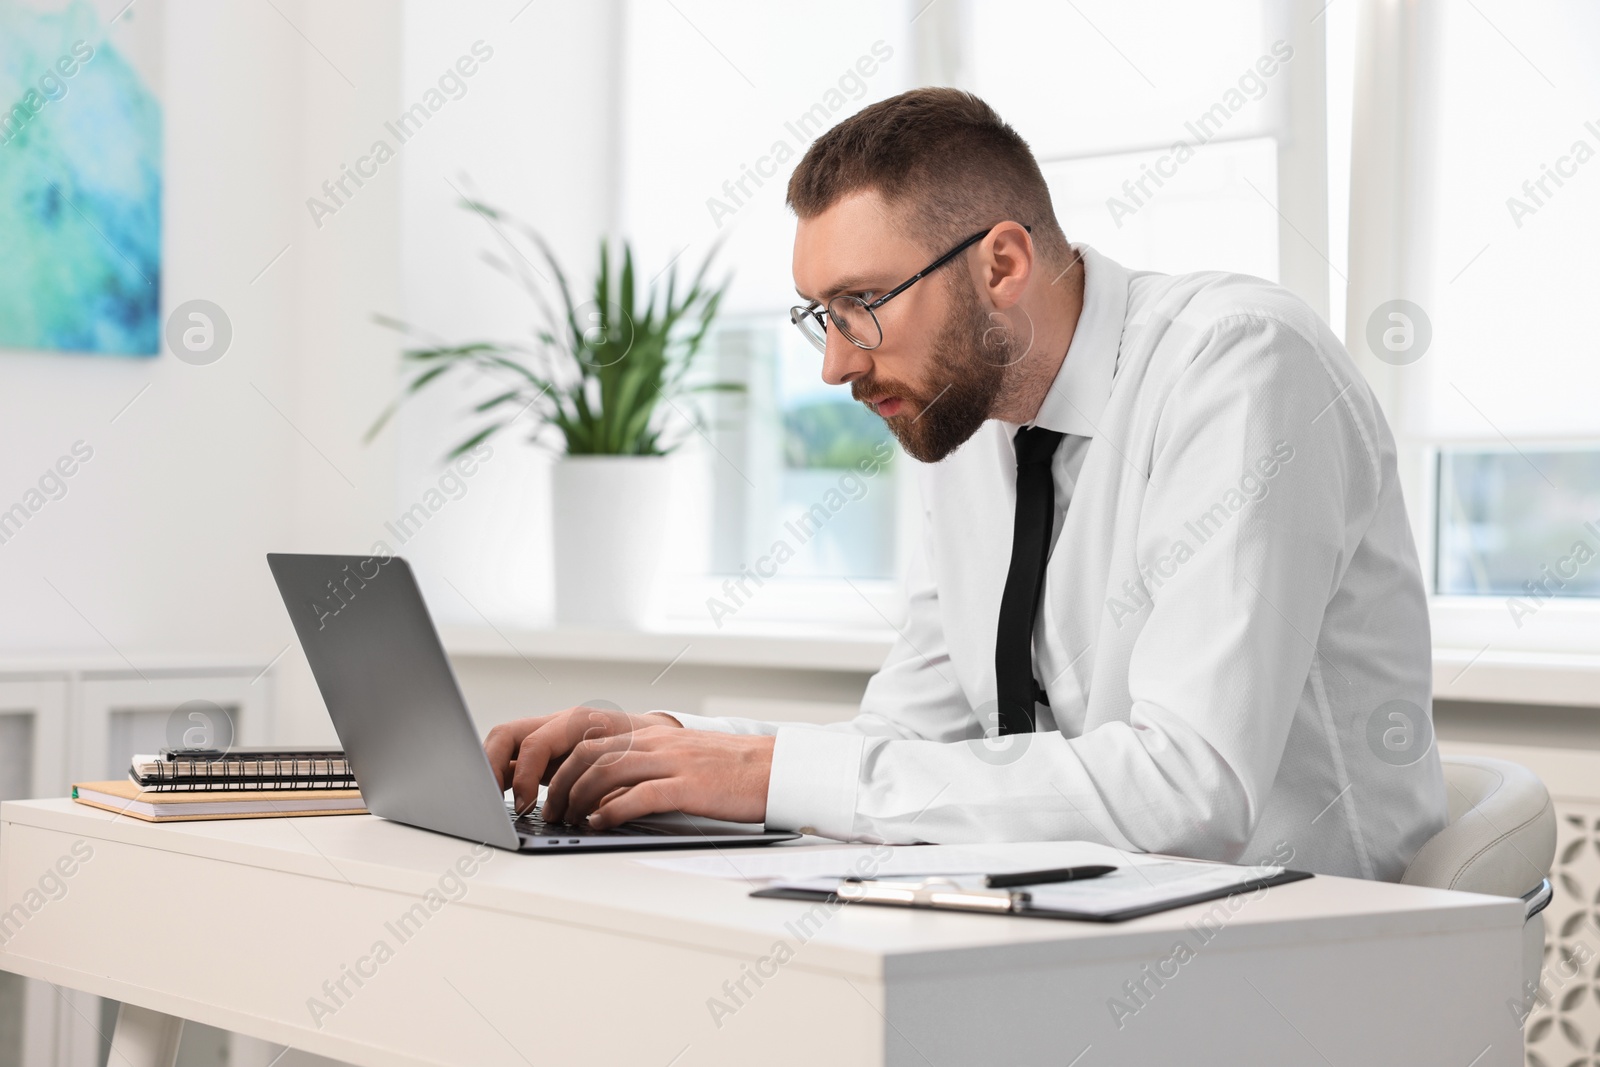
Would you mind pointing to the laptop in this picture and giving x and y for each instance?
(406, 729)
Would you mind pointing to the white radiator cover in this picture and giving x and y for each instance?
(1563, 1025)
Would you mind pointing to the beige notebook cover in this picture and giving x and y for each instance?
(126, 798)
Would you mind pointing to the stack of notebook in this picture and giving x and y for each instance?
(241, 783)
(187, 770)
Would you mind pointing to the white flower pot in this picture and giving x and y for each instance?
(608, 518)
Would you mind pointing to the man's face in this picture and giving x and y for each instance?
(934, 378)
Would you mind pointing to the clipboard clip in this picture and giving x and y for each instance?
(931, 893)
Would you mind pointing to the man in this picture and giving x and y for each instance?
(1167, 597)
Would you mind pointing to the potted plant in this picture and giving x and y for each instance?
(602, 381)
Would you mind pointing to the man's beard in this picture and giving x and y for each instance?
(967, 368)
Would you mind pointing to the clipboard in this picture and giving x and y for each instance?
(940, 893)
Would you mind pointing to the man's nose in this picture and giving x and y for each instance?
(843, 362)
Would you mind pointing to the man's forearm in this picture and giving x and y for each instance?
(1108, 788)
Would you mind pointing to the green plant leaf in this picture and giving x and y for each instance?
(426, 376)
(602, 390)
(496, 401)
(473, 441)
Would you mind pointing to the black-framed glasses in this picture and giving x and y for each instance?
(857, 319)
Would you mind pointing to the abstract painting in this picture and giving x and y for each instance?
(80, 176)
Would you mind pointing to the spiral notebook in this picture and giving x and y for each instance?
(126, 798)
(277, 768)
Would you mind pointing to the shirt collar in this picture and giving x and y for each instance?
(1083, 384)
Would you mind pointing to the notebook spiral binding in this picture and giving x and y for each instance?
(248, 773)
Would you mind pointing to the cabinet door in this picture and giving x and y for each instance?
(116, 716)
(33, 757)
(33, 762)
(120, 715)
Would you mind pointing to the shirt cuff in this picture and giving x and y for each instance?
(690, 722)
(815, 775)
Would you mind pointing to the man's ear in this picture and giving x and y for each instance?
(1007, 261)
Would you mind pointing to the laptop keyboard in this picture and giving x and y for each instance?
(532, 823)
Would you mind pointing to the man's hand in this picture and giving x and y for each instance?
(610, 780)
(526, 752)
(609, 767)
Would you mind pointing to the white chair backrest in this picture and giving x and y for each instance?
(1501, 838)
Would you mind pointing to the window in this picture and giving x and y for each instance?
(1506, 239)
(1217, 214)
(721, 100)
(825, 505)
(1516, 524)
(1168, 132)
(1160, 147)
(1494, 413)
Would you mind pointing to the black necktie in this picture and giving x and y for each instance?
(1019, 604)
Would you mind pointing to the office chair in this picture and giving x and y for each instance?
(1501, 840)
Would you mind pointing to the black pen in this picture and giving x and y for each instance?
(1059, 874)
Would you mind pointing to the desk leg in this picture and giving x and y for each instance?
(145, 1038)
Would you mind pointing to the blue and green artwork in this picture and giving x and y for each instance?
(80, 181)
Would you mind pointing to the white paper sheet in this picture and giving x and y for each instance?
(869, 861)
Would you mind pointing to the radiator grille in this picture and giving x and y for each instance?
(1563, 1027)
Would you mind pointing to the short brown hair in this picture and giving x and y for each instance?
(943, 154)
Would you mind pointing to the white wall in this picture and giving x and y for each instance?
(534, 135)
(159, 543)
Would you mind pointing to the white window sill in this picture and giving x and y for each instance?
(1569, 679)
(1484, 651)
(767, 645)
(1566, 679)
(97, 664)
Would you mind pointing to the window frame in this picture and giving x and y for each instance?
(1397, 48)
(941, 57)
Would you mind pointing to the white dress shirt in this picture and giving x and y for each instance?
(1233, 633)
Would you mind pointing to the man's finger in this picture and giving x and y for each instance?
(603, 779)
(538, 750)
(503, 741)
(605, 750)
(595, 769)
(543, 751)
(648, 798)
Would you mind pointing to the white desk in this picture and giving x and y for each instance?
(601, 960)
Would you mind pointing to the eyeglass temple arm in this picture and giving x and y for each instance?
(935, 265)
